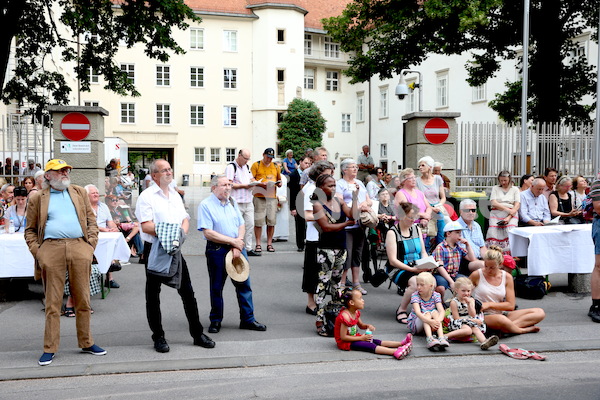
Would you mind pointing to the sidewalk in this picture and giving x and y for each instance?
(119, 324)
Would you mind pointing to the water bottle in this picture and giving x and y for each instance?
(11, 226)
(368, 332)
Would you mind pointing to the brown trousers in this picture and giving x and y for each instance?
(55, 256)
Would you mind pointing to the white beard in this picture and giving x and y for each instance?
(60, 183)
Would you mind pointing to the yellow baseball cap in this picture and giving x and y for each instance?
(56, 164)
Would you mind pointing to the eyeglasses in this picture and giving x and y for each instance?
(470, 209)
(379, 173)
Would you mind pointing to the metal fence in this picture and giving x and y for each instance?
(485, 149)
(23, 138)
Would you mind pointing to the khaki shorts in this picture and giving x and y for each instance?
(265, 209)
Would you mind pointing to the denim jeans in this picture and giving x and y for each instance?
(215, 258)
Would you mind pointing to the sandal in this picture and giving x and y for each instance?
(402, 317)
(270, 248)
(517, 354)
(321, 331)
(258, 248)
(69, 312)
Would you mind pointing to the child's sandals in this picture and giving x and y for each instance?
(321, 330)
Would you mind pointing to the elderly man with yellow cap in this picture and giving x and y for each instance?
(62, 234)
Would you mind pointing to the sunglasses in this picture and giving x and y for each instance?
(471, 209)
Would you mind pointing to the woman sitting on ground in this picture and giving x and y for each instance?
(561, 203)
(494, 288)
(404, 245)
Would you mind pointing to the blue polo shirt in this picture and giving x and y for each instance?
(473, 235)
(62, 222)
(222, 218)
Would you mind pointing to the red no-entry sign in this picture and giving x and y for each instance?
(436, 131)
(75, 126)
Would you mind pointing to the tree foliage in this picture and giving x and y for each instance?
(94, 29)
(390, 35)
(302, 126)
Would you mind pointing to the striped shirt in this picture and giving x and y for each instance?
(239, 175)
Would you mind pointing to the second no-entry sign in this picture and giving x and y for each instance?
(436, 131)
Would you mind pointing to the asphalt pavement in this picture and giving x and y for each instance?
(119, 323)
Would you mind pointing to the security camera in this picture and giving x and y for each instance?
(402, 90)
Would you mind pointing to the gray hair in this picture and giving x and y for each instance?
(38, 174)
(214, 181)
(427, 160)
(153, 167)
(5, 187)
(404, 173)
(288, 151)
(438, 164)
(88, 187)
(318, 168)
(466, 203)
(537, 181)
(346, 162)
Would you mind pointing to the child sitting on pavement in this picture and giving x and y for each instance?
(427, 312)
(348, 322)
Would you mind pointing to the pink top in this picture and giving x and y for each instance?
(418, 200)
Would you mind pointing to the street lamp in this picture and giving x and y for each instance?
(402, 89)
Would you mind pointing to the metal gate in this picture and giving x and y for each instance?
(23, 138)
(485, 149)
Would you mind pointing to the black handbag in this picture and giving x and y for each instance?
(531, 287)
(332, 309)
(379, 277)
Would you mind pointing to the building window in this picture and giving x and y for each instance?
(332, 49)
(383, 102)
(383, 150)
(229, 116)
(163, 75)
(360, 107)
(230, 41)
(307, 44)
(196, 115)
(309, 78)
(128, 113)
(280, 35)
(332, 81)
(442, 90)
(129, 69)
(280, 115)
(91, 103)
(93, 75)
(229, 154)
(230, 78)
(198, 154)
(346, 122)
(479, 93)
(197, 39)
(215, 154)
(280, 75)
(196, 77)
(163, 114)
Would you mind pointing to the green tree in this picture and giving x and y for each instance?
(302, 126)
(35, 25)
(390, 35)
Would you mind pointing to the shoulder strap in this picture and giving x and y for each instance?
(234, 167)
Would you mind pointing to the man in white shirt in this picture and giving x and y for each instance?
(161, 203)
(240, 176)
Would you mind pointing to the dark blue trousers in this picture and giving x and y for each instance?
(215, 258)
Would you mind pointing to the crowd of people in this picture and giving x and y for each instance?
(340, 224)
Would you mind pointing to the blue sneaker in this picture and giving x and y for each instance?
(46, 359)
(95, 350)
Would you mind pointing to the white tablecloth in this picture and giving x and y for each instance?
(17, 261)
(554, 249)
